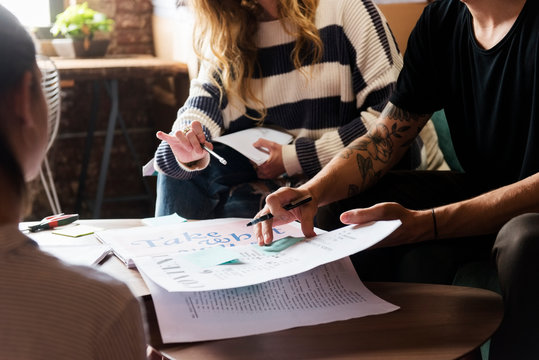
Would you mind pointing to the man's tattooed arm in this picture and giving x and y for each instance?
(375, 151)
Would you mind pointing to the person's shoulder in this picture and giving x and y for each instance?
(94, 281)
(440, 17)
(444, 9)
(83, 281)
(355, 13)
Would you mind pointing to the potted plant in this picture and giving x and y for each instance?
(79, 25)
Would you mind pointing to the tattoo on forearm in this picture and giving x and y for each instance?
(366, 168)
(378, 142)
(346, 153)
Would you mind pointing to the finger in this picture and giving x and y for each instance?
(181, 143)
(307, 225)
(257, 232)
(384, 211)
(263, 145)
(209, 145)
(194, 142)
(267, 231)
(261, 228)
(196, 128)
(165, 137)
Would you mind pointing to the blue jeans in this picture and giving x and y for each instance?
(231, 190)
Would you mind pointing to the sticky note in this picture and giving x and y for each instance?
(280, 245)
(76, 230)
(211, 257)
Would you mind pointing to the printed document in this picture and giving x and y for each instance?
(182, 237)
(250, 265)
(327, 293)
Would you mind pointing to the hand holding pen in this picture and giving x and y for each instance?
(190, 144)
(283, 206)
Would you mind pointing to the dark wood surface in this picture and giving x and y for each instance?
(434, 322)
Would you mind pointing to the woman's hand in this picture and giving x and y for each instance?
(274, 204)
(187, 144)
(416, 225)
(274, 166)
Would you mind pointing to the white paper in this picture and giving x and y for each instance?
(148, 169)
(242, 141)
(163, 220)
(174, 273)
(79, 254)
(184, 237)
(328, 293)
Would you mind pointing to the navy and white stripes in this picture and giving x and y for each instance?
(322, 105)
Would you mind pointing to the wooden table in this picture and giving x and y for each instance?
(434, 322)
(107, 71)
(138, 66)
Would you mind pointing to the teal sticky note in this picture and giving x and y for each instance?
(211, 257)
(281, 244)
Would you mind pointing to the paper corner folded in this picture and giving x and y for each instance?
(148, 169)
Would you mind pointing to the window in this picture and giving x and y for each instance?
(35, 13)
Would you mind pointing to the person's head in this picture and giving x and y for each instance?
(23, 110)
(228, 28)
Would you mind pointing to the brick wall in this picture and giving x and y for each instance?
(133, 27)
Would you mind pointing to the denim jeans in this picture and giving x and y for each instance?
(231, 190)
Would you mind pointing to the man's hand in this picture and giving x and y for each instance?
(274, 205)
(416, 225)
(274, 166)
(186, 144)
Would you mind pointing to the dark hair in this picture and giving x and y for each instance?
(17, 50)
(17, 56)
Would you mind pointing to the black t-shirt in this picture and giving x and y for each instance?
(490, 97)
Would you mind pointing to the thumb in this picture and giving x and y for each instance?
(355, 216)
(361, 216)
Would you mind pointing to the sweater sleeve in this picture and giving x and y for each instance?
(375, 62)
(205, 105)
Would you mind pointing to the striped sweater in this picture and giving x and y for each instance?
(325, 110)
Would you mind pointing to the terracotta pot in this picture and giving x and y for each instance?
(72, 48)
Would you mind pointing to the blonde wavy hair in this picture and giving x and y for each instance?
(228, 29)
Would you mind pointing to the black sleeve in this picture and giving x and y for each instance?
(419, 85)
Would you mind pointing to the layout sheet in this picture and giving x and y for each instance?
(328, 293)
(130, 243)
(249, 265)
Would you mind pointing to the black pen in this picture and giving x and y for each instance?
(289, 206)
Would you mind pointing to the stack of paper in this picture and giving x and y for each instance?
(210, 280)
